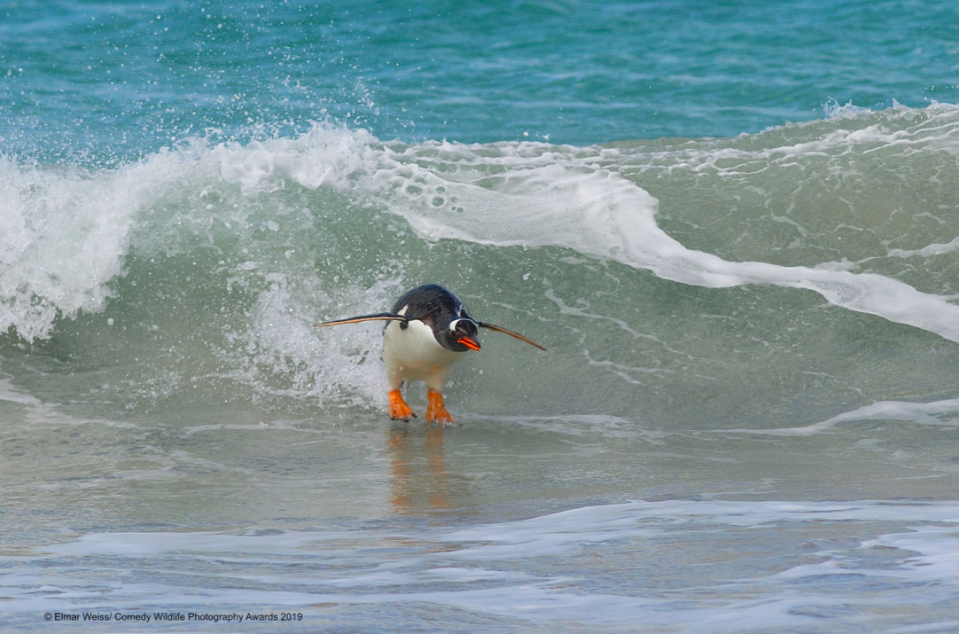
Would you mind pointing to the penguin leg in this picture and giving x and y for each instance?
(436, 411)
(399, 410)
(395, 374)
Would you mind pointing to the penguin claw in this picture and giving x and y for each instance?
(399, 410)
(436, 411)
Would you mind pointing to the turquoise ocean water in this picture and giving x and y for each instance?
(735, 228)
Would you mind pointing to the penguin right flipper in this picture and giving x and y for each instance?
(356, 320)
(509, 332)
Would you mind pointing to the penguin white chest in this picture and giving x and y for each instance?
(412, 353)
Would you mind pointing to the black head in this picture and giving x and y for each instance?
(442, 311)
(459, 335)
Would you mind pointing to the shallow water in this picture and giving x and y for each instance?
(746, 417)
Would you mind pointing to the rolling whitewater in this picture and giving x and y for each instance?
(739, 250)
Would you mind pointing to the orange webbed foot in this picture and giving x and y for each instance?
(399, 410)
(436, 410)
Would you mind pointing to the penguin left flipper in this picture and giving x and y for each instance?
(509, 332)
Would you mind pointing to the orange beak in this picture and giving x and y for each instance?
(472, 344)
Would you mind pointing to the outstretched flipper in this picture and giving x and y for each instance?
(356, 320)
(510, 333)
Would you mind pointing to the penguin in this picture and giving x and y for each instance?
(429, 330)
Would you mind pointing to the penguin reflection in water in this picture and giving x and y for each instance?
(429, 330)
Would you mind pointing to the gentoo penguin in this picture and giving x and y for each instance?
(429, 330)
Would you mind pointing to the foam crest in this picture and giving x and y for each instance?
(68, 231)
(599, 213)
(826, 147)
(71, 230)
(327, 155)
(66, 234)
(535, 195)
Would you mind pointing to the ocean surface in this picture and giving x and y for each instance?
(735, 228)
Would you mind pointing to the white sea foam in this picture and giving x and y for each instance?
(532, 195)
(874, 562)
(11, 394)
(941, 413)
(68, 232)
(935, 554)
(570, 529)
(930, 250)
(57, 247)
(600, 213)
(35, 411)
(282, 328)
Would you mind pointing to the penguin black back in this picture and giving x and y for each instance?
(443, 312)
(432, 304)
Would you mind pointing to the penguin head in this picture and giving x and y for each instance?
(459, 335)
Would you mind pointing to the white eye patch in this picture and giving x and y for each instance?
(455, 322)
